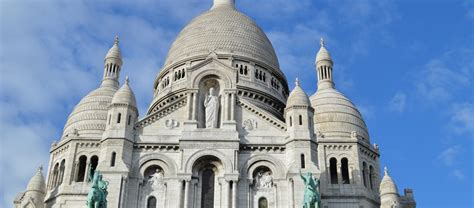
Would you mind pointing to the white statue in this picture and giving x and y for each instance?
(211, 103)
(156, 178)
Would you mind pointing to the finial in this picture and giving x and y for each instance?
(297, 82)
(228, 3)
(40, 168)
(116, 40)
(126, 80)
(321, 41)
(385, 170)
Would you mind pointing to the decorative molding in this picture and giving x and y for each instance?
(177, 104)
(265, 116)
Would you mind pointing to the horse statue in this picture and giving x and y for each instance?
(97, 196)
(312, 199)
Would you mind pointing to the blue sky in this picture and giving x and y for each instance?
(407, 65)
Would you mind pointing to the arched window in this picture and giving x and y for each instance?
(291, 121)
(371, 177)
(62, 167)
(129, 119)
(262, 203)
(94, 162)
(112, 159)
(345, 171)
(301, 120)
(110, 118)
(119, 117)
(364, 173)
(55, 175)
(151, 202)
(81, 170)
(333, 170)
(302, 161)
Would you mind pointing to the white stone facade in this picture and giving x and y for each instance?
(264, 137)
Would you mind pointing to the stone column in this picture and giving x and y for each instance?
(86, 174)
(186, 194)
(234, 193)
(180, 193)
(190, 108)
(225, 108)
(339, 173)
(292, 198)
(194, 110)
(227, 193)
(232, 106)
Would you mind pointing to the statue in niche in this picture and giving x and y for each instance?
(156, 179)
(264, 179)
(211, 103)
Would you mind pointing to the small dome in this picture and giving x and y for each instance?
(323, 53)
(125, 95)
(387, 186)
(114, 51)
(90, 115)
(336, 115)
(298, 97)
(37, 182)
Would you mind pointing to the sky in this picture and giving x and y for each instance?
(408, 65)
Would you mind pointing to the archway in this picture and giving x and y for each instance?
(205, 173)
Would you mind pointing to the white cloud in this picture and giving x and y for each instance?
(458, 174)
(445, 77)
(398, 102)
(462, 118)
(449, 156)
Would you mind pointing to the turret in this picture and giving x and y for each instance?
(324, 67)
(117, 142)
(112, 65)
(299, 122)
(122, 113)
(35, 192)
(389, 196)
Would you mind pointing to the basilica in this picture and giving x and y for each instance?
(223, 130)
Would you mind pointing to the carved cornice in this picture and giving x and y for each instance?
(262, 148)
(263, 115)
(175, 104)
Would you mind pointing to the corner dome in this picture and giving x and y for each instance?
(125, 95)
(225, 30)
(387, 185)
(37, 182)
(89, 117)
(298, 97)
(336, 115)
(114, 51)
(323, 53)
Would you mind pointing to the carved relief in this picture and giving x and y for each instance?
(171, 123)
(263, 180)
(155, 180)
(249, 124)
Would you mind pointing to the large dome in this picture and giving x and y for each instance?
(89, 117)
(336, 116)
(225, 30)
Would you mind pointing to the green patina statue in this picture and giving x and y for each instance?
(97, 197)
(312, 199)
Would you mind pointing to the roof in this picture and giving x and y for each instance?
(223, 29)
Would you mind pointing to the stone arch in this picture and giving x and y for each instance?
(226, 80)
(275, 165)
(226, 162)
(166, 163)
